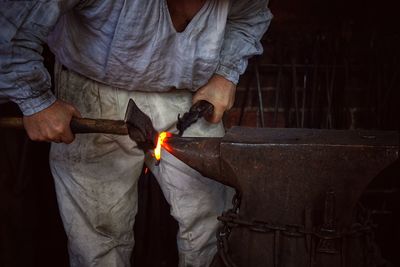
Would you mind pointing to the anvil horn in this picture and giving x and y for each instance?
(201, 154)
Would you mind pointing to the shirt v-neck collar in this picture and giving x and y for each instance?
(192, 21)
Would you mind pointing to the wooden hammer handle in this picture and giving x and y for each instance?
(78, 125)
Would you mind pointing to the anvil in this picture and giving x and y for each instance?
(297, 192)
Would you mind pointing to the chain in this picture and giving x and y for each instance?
(230, 219)
(290, 230)
(225, 230)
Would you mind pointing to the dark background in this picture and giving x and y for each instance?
(327, 64)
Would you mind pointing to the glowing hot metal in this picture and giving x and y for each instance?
(160, 142)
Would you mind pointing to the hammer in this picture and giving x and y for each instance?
(78, 125)
(136, 124)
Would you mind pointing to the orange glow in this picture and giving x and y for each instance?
(160, 142)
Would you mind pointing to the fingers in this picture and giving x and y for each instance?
(61, 130)
(216, 117)
(220, 92)
(68, 137)
(199, 96)
(219, 109)
(48, 133)
(75, 113)
(52, 124)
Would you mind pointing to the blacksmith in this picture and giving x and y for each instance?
(164, 54)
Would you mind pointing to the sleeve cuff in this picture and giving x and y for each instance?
(33, 105)
(228, 73)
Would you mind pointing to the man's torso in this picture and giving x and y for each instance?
(136, 45)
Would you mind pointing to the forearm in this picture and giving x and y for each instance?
(23, 77)
(28, 84)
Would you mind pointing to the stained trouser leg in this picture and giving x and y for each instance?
(97, 203)
(96, 179)
(195, 201)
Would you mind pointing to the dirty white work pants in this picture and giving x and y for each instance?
(96, 178)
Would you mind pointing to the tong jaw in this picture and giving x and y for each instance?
(199, 109)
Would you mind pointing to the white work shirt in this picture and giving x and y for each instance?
(132, 45)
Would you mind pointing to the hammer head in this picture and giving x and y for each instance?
(140, 127)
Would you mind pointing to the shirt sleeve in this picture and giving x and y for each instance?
(25, 26)
(247, 22)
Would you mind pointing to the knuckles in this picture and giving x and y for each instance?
(54, 133)
(58, 129)
(36, 138)
(68, 141)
